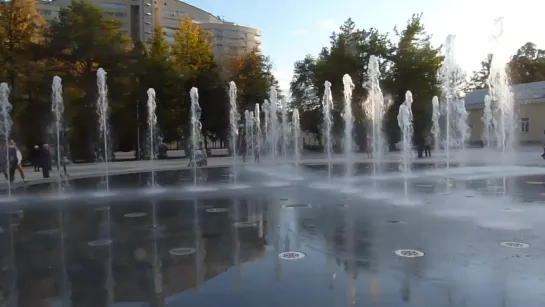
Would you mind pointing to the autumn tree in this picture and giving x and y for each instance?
(20, 32)
(192, 48)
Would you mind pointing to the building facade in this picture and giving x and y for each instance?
(529, 108)
(139, 18)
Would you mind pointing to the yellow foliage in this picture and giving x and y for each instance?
(192, 47)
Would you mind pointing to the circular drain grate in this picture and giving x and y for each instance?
(409, 253)
(244, 224)
(135, 214)
(397, 222)
(517, 245)
(297, 206)
(47, 232)
(100, 242)
(291, 255)
(182, 251)
(216, 210)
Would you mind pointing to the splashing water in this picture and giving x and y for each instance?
(435, 128)
(258, 133)
(327, 105)
(462, 127)
(195, 129)
(266, 107)
(233, 121)
(248, 127)
(404, 120)
(285, 128)
(152, 124)
(452, 81)
(348, 125)
(487, 119)
(296, 139)
(102, 110)
(501, 95)
(375, 107)
(57, 107)
(273, 121)
(5, 123)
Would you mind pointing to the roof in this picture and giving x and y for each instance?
(533, 92)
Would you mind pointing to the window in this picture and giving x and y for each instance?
(219, 33)
(171, 13)
(112, 5)
(220, 48)
(116, 15)
(525, 125)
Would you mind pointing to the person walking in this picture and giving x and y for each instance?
(19, 156)
(12, 160)
(36, 158)
(45, 160)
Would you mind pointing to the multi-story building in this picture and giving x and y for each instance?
(139, 17)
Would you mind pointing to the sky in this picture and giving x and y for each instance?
(292, 29)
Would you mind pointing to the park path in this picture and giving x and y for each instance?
(527, 156)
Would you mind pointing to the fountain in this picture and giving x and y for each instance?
(435, 128)
(501, 95)
(462, 127)
(258, 133)
(273, 121)
(404, 120)
(102, 110)
(296, 139)
(233, 122)
(248, 131)
(375, 108)
(452, 80)
(58, 110)
(348, 125)
(285, 128)
(327, 105)
(195, 129)
(152, 124)
(5, 124)
(487, 123)
(266, 107)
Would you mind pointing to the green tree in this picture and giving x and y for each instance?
(414, 66)
(527, 65)
(252, 73)
(81, 40)
(480, 77)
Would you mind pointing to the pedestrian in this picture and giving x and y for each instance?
(427, 146)
(3, 162)
(12, 160)
(63, 157)
(45, 160)
(369, 147)
(36, 158)
(19, 155)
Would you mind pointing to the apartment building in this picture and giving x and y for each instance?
(139, 17)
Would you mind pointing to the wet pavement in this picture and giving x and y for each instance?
(464, 237)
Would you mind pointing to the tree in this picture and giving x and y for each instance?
(252, 73)
(20, 32)
(480, 77)
(527, 65)
(192, 48)
(414, 67)
(80, 41)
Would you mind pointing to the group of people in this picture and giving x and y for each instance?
(41, 158)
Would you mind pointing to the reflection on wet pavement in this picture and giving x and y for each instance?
(469, 242)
